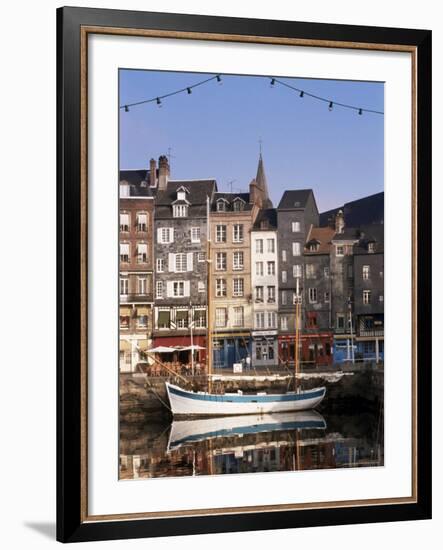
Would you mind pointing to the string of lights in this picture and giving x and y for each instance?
(158, 99)
(302, 93)
(330, 102)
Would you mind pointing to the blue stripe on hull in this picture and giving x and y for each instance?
(278, 398)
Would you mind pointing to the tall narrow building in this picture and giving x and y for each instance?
(231, 221)
(136, 206)
(296, 213)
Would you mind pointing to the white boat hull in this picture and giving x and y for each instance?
(188, 403)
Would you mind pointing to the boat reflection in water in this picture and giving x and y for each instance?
(187, 432)
(245, 444)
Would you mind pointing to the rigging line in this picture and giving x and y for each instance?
(170, 94)
(330, 101)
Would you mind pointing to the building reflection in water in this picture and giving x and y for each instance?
(270, 443)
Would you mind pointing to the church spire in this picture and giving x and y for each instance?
(262, 183)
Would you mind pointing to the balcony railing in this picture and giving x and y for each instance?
(371, 333)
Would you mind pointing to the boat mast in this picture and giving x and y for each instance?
(297, 334)
(208, 298)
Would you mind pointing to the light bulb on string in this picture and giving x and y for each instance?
(159, 102)
(302, 93)
(272, 82)
(331, 106)
(189, 90)
(219, 80)
(360, 111)
(126, 109)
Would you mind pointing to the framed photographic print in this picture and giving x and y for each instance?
(244, 269)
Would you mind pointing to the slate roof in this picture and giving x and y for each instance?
(371, 233)
(267, 215)
(294, 199)
(230, 198)
(138, 182)
(349, 234)
(364, 211)
(262, 183)
(322, 235)
(199, 190)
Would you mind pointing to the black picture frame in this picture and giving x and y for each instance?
(71, 524)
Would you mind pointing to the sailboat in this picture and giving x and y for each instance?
(191, 403)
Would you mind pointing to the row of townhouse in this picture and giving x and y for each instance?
(257, 256)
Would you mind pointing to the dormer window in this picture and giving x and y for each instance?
(124, 189)
(371, 248)
(264, 224)
(238, 204)
(313, 247)
(180, 210)
(221, 205)
(181, 193)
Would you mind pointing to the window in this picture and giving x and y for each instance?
(259, 246)
(327, 297)
(313, 247)
(180, 263)
(124, 321)
(180, 210)
(201, 287)
(284, 297)
(201, 256)
(366, 297)
(181, 318)
(142, 285)
(142, 253)
(310, 271)
(238, 205)
(272, 319)
(124, 222)
(124, 253)
(200, 318)
(259, 269)
(220, 261)
(312, 295)
(312, 320)
(220, 316)
(296, 250)
(124, 190)
(142, 321)
(271, 268)
(124, 286)
(239, 287)
(340, 321)
(142, 222)
(371, 247)
(159, 289)
(284, 323)
(271, 245)
(296, 227)
(238, 261)
(339, 250)
(221, 206)
(195, 234)
(238, 317)
(220, 233)
(284, 276)
(271, 294)
(380, 298)
(220, 287)
(283, 255)
(181, 194)
(178, 288)
(160, 265)
(164, 319)
(297, 270)
(165, 235)
(237, 233)
(326, 272)
(259, 294)
(365, 272)
(260, 320)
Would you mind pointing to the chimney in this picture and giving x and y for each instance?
(339, 222)
(163, 172)
(152, 173)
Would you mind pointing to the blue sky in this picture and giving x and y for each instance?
(215, 132)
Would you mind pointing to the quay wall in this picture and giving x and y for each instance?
(143, 396)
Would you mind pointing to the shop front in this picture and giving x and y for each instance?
(264, 348)
(316, 349)
(231, 348)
